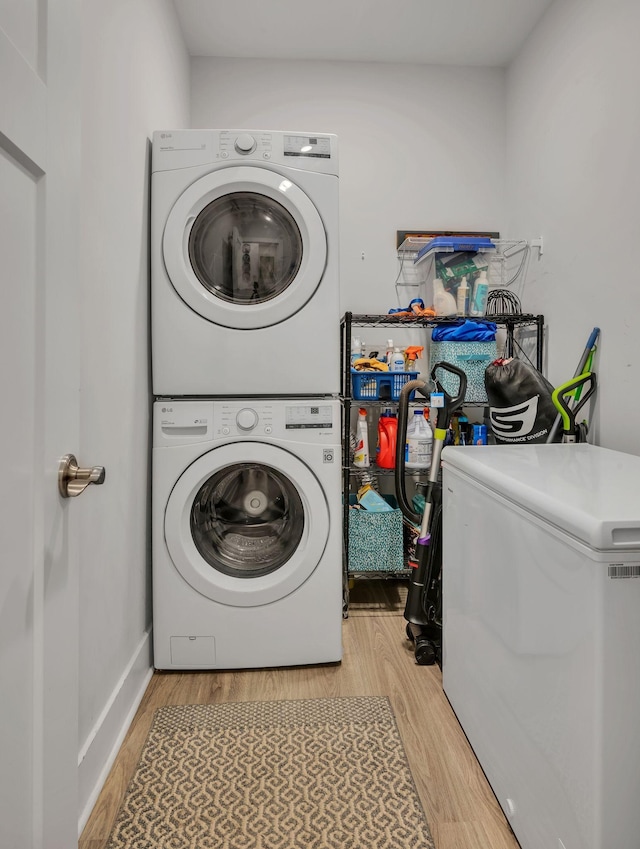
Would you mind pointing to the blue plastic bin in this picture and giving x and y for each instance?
(449, 244)
(380, 385)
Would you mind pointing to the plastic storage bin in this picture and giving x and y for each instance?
(380, 386)
(471, 357)
(376, 542)
(449, 244)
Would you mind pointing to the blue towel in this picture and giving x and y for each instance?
(466, 331)
(417, 301)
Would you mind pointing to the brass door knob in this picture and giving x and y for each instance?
(72, 480)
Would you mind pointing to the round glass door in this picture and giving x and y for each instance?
(244, 247)
(246, 523)
(247, 520)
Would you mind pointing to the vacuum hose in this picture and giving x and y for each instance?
(401, 439)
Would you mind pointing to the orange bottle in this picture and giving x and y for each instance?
(387, 435)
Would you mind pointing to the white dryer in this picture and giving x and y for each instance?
(244, 263)
(246, 540)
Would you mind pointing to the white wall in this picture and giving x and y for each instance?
(136, 79)
(419, 146)
(573, 140)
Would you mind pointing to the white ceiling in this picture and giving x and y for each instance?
(435, 32)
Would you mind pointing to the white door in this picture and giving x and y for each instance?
(39, 162)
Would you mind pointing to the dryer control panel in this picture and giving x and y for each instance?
(189, 148)
(264, 145)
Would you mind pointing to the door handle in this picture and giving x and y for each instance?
(72, 480)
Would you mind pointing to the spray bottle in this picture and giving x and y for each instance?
(413, 353)
(361, 454)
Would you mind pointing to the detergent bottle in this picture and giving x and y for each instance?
(361, 453)
(443, 302)
(419, 445)
(397, 362)
(387, 435)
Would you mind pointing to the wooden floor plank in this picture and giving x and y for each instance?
(378, 661)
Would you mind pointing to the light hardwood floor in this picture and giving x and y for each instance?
(378, 661)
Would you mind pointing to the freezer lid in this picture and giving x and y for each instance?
(590, 492)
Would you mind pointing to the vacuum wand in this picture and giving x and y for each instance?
(443, 418)
(422, 603)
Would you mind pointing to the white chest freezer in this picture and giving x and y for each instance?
(541, 640)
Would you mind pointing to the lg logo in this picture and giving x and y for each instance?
(167, 409)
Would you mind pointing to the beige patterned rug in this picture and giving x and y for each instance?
(307, 774)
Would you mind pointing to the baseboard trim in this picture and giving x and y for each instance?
(99, 751)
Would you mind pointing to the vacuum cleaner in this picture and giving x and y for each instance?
(423, 608)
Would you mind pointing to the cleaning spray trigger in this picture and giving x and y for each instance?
(413, 353)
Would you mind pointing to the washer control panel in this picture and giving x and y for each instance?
(256, 418)
(243, 418)
(308, 416)
(310, 421)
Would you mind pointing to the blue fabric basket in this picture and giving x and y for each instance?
(472, 358)
(376, 541)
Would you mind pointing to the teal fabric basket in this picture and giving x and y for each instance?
(472, 358)
(376, 539)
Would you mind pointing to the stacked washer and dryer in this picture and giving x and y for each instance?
(246, 491)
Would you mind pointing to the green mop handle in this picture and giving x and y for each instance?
(562, 395)
(582, 368)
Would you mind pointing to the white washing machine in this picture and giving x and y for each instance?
(244, 263)
(247, 550)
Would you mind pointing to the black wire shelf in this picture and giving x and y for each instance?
(373, 320)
